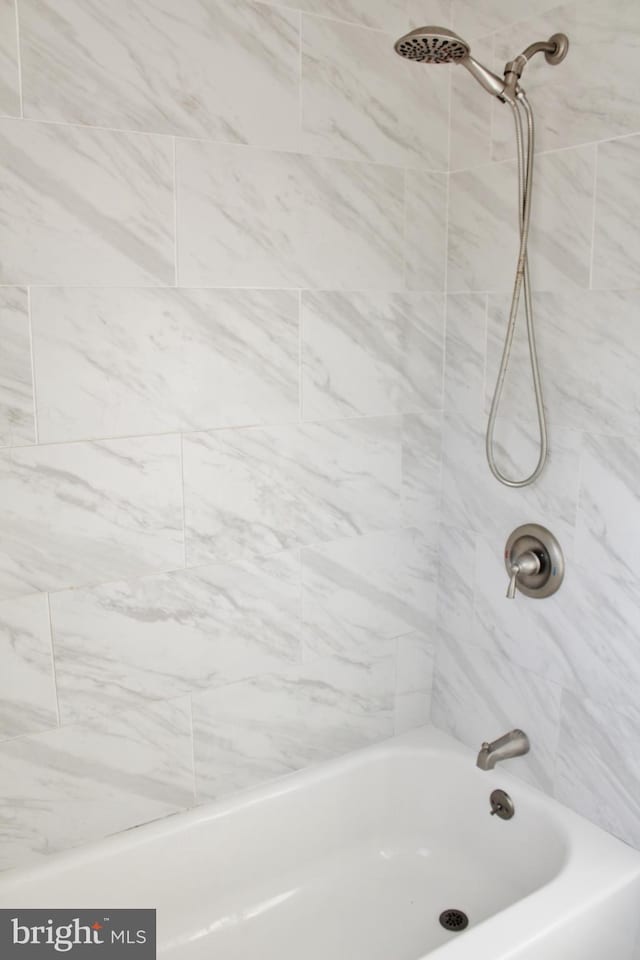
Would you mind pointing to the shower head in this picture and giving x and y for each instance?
(439, 45)
(432, 45)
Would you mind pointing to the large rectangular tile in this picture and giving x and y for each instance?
(27, 685)
(259, 729)
(220, 69)
(80, 783)
(425, 250)
(465, 351)
(361, 593)
(252, 217)
(368, 354)
(379, 14)
(160, 637)
(17, 424)
(84, 206)
(478, 696)
(589, 355)
(142, 361)
(616, 233)
(415, 654)
(80, 513)
(9, 69)
(361, 101)
(258, 491)
(474, 18)
(484, 231)
(421, 469)
(598, 772)
(589, 96)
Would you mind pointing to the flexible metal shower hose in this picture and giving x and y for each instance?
(525, 182)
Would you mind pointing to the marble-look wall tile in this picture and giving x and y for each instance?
(421, 469)
(80, 513)
(591, 95)
(253, 731)
(160, 637)
(455, 604)
(84, 206)
(361, 593)
(472, 498)
(475, 18)
(140, 361)
(17, 424)
(80, 783)
(617, 235)
(415, 654)
(598, 772)
(9, 70)
(608, 525)
(27, 685)
(361, 101)
(252, 217)
(465, 348)
(368, 354)
(220, 69)
(477, 696)
(483, 224)
(379, 14)
(258, 491)
(425, 230)
(589, 354)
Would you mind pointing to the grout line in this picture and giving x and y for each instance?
(33, 370)
(53, 659)
(19, 58)
(593, 218)
(175, 213)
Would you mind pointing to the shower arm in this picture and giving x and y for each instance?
(554, 49)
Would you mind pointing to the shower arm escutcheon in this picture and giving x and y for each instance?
(534, 561)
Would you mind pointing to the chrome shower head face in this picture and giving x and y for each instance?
(432, 45)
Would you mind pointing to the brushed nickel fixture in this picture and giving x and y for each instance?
(512, 744)
(534, 561)
(438, 45)
(501, 805)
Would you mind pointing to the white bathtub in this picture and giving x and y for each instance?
(355, 860)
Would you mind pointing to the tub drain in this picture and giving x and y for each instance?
(454, 920)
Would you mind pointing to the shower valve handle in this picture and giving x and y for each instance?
(527, 563)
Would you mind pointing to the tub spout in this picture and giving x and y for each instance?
(512, 744)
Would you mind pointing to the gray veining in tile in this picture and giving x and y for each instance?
(252, 217)
(9, 79)
(361, 101)
(84, 206)
(85, 512)
(80, 783)
(27, 686)
(368, 354)
(414, 677)
(617, 235)
(160, 637)
(421, 469)
(361, 593)
(16, 385)
(258, 491)
(425, 229)
(215, 69)
(259, 729)
(140, 361)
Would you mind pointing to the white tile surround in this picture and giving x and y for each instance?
(244, 379)
(222, 302)
(567, 669)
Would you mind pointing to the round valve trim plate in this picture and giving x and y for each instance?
(537, 539)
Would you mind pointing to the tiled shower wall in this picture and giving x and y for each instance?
(566, 669)
(222, 268)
